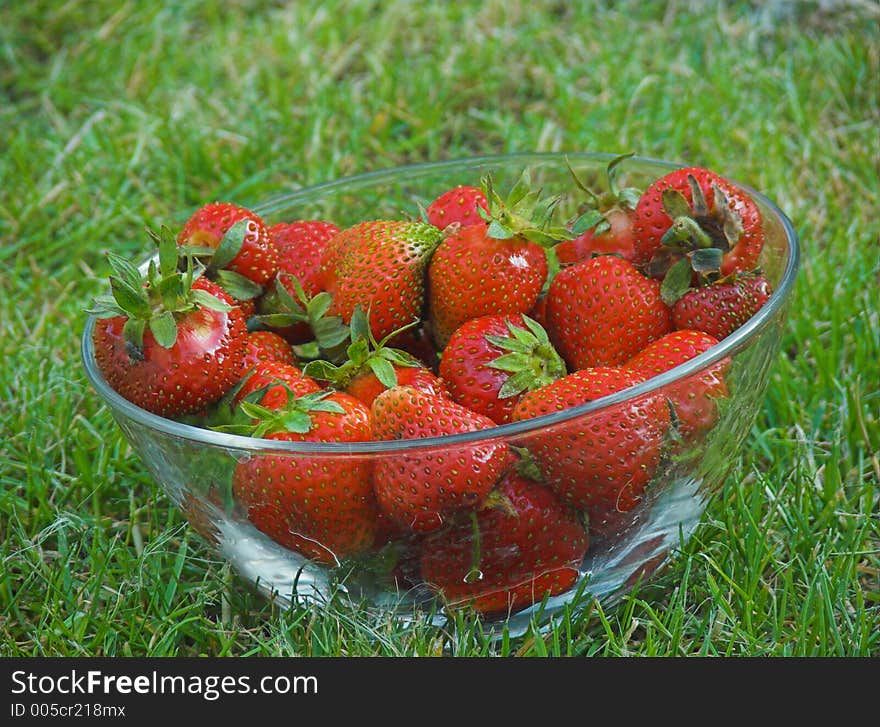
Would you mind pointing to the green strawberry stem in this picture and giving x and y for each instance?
(156, 300)
(524, 214)
(531, 361)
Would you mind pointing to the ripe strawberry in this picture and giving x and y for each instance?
(605, 225)
(458, 205)
(166, 342)
(234, 243)
(370, 367)
(694, 398)
(601, 461)
(491, 361)
(601, 312)
(380, 266)
(496, 268)
(421, 490)
(523, 545)
(267, 346)
(281, 381)
(320, 506)
(720, 308)
(697, 213)
(301, 247)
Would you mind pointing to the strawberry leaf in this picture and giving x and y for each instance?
(706, 260)
(124, 270)
(131, 299)
(164, 329)
(384, 371)
(238, 286)
(133, 333)
(230, 244)
(676, 282)
(586, 221)
(675, 204)
(330, 332)
(211, 302)
(168, 254)
(105, 307)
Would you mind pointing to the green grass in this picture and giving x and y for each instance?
(118, 114)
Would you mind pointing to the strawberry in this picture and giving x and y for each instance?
(422, 489)
(459, 205)
(300, 247)
(522, 546)
(721, 307)
(380, 266)
(491, 361)
(600, 461)
(234, 244)
(694, 398)
(602, 311)
(267, 346)
(495, 268)
(320, 506)
(280, 381)
(371, 366)
(701, 220)
(167, 342)
(605, 225)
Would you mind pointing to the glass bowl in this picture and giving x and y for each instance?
(195, 466)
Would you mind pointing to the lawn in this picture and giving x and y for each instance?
(115, 115)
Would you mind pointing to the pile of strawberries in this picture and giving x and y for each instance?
(477, 312)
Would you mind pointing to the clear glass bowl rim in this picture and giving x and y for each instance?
(730, 345)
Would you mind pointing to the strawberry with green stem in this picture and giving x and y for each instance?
(320, 506)
(379, 265)
(491, 361)
(422, 490)
(234, 245)
(605, 223)
(495, 268)
(520, 547)
(695, 219)
(371, 367)
(280, 311)
(167, 341)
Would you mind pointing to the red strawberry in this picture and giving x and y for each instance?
(522, 546)
(267, 346)
(281, 381)
(366, 386)
(168, 343)
(491, 269)
(300, 247)
(720, 308)
(422, 489)
(600, 461)
(370, 367)
(380, 266)
(694, 398)
(605, 225)
(459, 205)
(491, 361)
(234, 243)
(601, 312)
(320, 506)
(695, 211)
